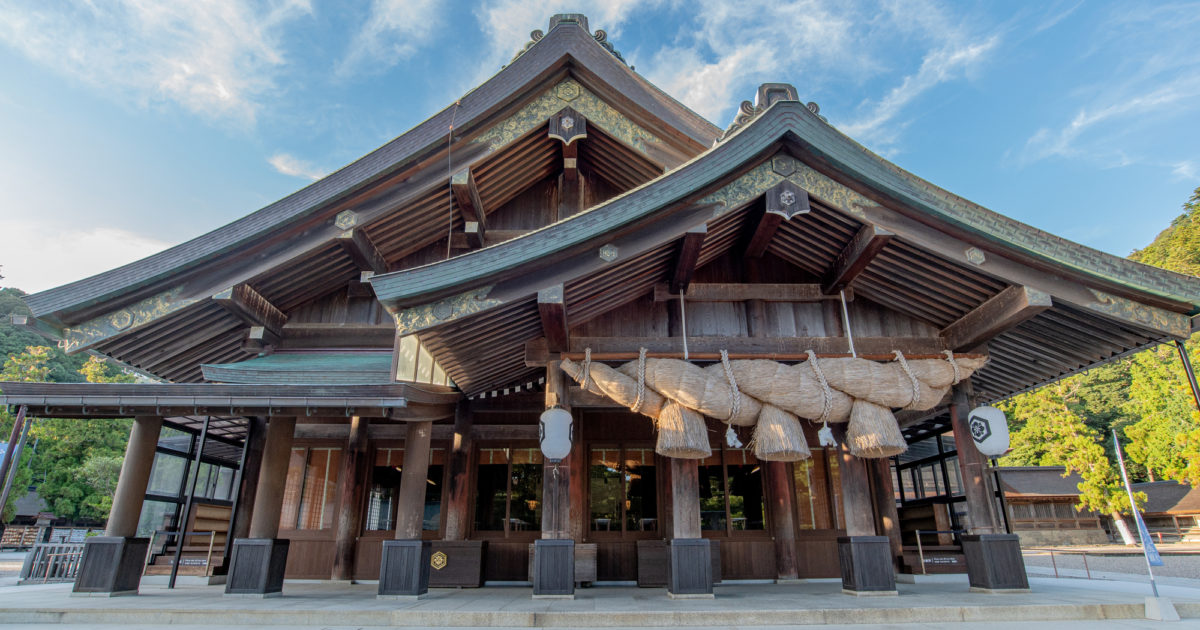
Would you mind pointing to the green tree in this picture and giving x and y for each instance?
(1048, 432)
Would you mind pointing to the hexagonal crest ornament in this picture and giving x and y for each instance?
(609, 253)
(981, 429)
(567, 91)
(443, 310)
(975, 256)
(346, 219)
(438, 560)
(783, 165)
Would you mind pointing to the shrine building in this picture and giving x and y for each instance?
(568, 332)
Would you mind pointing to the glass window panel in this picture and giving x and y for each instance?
(406, 358)
(955, 478)
(809, 480)
(604, 485)
(948, 443)
(712, 493)
(319, 487)
(291, 488)
(224, 490)
(747, 505)
(384, 489)
(931, 476)
(491, 489)
(156, 515)
(525, 511)
(424, 366)
(166, 474)
(641, 485)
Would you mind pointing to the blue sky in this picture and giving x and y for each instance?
(127, 126)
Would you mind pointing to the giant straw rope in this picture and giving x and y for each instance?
(773, 396)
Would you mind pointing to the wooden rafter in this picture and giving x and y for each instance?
(855, 257)
(251, 307)
(689, 254)
(1003, 311)
(462, 184)
(553, 310)
(359, 247)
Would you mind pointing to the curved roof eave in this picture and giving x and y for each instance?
(565, 41)
(783, 120)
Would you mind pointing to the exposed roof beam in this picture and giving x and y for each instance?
(855, 257)
(36, 326)
(553, 310)
(251, 307)
(362, 251)
(474, 233)
(689, 254)
(736, 292)
(1003, 311)
(568, 126)
(537, 351)
(462, 184)
(324, 335)
(781, 202)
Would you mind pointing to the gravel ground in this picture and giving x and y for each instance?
(10, 563)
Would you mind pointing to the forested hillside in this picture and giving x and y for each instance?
(1146, 398)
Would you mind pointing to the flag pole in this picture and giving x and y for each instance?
(1143, 533)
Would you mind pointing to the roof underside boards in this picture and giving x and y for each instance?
(567, 46)
(306, 368)
(908, 277)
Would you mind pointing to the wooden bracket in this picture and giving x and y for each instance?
(251, 307)
(689, 254)
(552, 307)
(1003, 311)
(855, 257)
(462, 184)
(781, 202)
(362, 251)
(567, 126)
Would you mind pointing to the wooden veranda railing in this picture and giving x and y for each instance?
(51, 562)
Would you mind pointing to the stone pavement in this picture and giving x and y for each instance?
(945, 600)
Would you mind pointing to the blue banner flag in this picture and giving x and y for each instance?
(1151, 551)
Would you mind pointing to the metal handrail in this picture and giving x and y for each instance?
(921, 551)
(1054, 564)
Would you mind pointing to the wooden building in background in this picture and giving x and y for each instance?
(384, 340)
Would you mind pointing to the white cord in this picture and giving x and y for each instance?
(916, 385)
(954, 364)
(641, 389)
(683, 318)
(846, 319)
(587, 369)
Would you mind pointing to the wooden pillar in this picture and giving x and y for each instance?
(556, 476)
(887, 517)
(458, 493)
(351, 484)
(268, 500)
(256, 438)
(972, 464)
(413, 479)
(783, 521)
(685, 498)
(689, 566)
(857, 506)
(135, 475)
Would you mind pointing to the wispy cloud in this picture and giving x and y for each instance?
(393, 31)
(216, 59)
(295, 167)
(1187, 169)
(78, 252)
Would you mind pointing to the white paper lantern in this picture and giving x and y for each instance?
(554, 429)
(989, 429)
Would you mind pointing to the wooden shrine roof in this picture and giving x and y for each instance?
(568, 48)
(949, 259)
(306, 368)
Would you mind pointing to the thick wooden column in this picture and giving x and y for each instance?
(413, 479)
(135, 475)
(268, 500)
(457, 505)
(689, 566)
(112, 564)
(887, 517)
(256, 439)
(783, 521)
(351, 483)
(257, 564)
(685, 498)
(971, 464)
(556, 476)
(857, 505)
(866, 560)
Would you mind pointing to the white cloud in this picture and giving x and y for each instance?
(39, 256)
(295, 167)
(216, 59)
(938, 66)
(394, 30)
(1186, 169)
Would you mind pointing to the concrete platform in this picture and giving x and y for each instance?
(738, 605)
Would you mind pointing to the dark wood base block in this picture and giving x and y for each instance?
(553, 568)
(256, 566)
(689, 568)
(404, 568)
(994, 562)
(866, 563)
(459, 565)
(111, 565)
